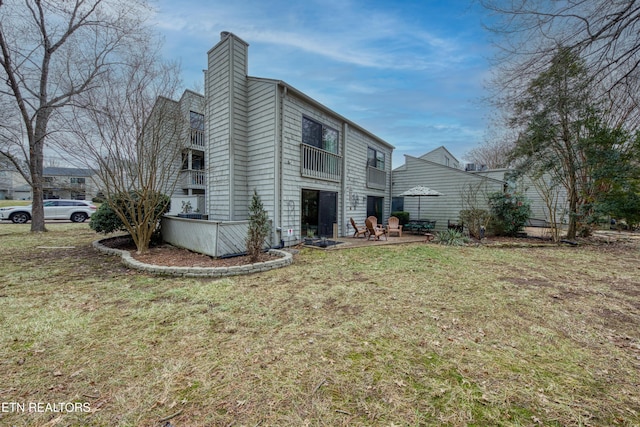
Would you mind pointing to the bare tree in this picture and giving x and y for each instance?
(605, 33)
(475, 214)
(51, 52)
(551, 194)
(135, 133)
(493, 153)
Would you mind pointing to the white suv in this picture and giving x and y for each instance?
(74, 210)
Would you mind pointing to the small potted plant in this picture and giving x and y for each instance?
(309, 239)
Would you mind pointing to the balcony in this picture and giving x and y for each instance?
(320, 164)
(376, 178)
(192, 179)
(63, 185)
(197, 139)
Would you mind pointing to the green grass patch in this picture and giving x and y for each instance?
(6, 203)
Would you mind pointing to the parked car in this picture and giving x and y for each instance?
(74, 210)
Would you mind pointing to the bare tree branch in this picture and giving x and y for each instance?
(51, 52)
(605, 33)
(131, 128)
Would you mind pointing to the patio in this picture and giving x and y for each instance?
(352, 242)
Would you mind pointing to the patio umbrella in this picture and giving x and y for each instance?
(420, 191)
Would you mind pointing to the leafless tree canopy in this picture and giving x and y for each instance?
(129, 127)
(493, 153)
(51, 52)
(605, 33)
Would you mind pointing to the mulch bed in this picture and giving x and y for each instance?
(168, 255)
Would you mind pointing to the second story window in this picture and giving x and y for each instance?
(319, 136)
(375, 158)
(196, 120)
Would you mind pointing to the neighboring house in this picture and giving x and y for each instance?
(546, 199)
(12, 185)
(70, 183)
(192, 174)
(442, 156)
(59, 183)
(440, 171)
(312, 168)
(190, 165)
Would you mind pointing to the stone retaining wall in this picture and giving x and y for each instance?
(283, 259)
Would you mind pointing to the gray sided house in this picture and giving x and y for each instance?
(70, 183)
(440, 171)
(442, 156)
(59, 183)
(191, 168)
(312, 168)
(549, 202)
(460, 189)
(12, 185)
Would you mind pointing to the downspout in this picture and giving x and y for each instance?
(342, 221)
(277, 205)
(390, 201)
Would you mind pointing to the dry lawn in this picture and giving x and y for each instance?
(413, 335)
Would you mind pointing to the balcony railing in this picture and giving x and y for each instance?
(64, 185)
(376, 178)
(194, 179)
(320, 164)
(197, 138)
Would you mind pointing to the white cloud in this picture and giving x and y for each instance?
(406, 71)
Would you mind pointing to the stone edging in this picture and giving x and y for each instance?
(284, 259)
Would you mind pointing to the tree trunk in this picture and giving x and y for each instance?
(36, 167)
(573, 208)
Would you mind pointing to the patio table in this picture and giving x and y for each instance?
(420, 226)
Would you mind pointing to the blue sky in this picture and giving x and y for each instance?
(411, 72)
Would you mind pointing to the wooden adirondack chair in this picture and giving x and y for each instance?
(374, 221)
(358, 229)
(394, 226)
(374, 230)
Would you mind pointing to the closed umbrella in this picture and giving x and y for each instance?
(420, 191)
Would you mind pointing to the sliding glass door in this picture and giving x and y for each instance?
(319, 213)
